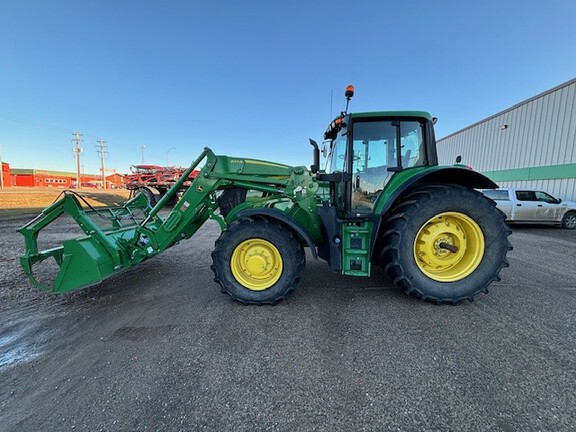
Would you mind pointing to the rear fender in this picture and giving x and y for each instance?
(440, 175)
(456, 175)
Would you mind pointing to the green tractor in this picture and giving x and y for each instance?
(382, 199)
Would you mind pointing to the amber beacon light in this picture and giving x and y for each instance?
(349, 91)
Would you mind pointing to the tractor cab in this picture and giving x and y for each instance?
(366, 149)
(382, 166)
(364, 152)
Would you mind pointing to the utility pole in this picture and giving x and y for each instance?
(142, 147)
(103, 151)
(77, 150)
(1, 170)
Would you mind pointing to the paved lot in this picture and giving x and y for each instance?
(159, 348)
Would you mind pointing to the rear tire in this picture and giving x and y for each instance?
(173, 201)
(257, 261)
(569, 220)
(445, 244)
(148, 194)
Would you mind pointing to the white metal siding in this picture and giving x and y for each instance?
(541, 131)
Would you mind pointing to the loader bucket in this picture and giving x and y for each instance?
(100, 253)
(114, 239)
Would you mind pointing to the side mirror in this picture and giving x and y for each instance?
(558, 200)
(325, 149)
(458, 159)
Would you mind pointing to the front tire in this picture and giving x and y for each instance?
(257, 261)
(569, 220)
(445, 244)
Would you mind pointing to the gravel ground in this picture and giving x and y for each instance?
(160, 348)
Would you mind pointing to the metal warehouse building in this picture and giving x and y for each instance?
(531, 145)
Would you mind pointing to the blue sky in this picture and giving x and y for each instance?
(254, 78)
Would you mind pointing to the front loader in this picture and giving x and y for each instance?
(382, 200)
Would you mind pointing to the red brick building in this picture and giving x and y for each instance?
(60, 179)
(115, 181)
(42, 178)
(6, 174)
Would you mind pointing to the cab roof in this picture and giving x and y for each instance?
(422, 114)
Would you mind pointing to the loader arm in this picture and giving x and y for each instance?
(137, 232)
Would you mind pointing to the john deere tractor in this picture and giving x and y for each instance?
(382, 200)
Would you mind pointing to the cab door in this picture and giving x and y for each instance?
(379, 149)
(373, 150)
(339, 171)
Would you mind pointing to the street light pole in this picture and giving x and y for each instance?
(171, 148)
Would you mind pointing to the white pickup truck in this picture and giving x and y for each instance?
(530, 206)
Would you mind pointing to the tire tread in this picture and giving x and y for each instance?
(393, 232)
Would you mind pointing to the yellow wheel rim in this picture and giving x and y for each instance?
(449, 247)
(256, 264)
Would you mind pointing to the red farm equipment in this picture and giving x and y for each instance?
(153, 181)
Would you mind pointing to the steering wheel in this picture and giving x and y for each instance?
(356, 158)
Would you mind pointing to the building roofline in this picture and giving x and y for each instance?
(72, 175)
(513, 107)
(35, 171)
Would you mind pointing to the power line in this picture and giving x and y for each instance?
(34, 123)
(50, 126)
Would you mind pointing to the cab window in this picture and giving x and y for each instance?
(497, 195)
(411, 140)
(337, 161)
(543, 196)
(525, 196)
(376, 153)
